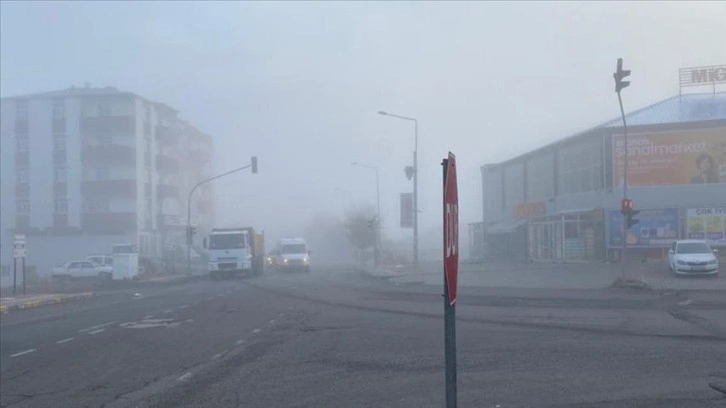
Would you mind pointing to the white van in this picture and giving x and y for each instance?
(293, 255)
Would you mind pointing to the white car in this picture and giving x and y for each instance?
(692, 257)
(103, 263)
(76, 269)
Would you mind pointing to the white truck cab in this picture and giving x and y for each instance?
(294, 255)
(235, 251)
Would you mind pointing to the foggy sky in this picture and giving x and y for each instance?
(299, 84)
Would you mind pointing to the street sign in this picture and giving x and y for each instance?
(20, 253)
(19, 249)
(451, 228)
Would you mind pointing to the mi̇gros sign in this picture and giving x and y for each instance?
(699, 76)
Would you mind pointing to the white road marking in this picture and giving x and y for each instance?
(220, 295)
(167, 311)
(272, 321)
(95, 327)
(256, 330)
(239, 342)
(216, 356)
(28, 351)
(183, 306)
(96, 331)
(190, 320)
(148, 316)
(685, 302)
(184, 377)
(289, 308)
(281, 314)
(64, 340)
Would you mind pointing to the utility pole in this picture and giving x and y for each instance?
(620, 84)
(190, 231)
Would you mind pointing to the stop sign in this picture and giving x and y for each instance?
(451, 228)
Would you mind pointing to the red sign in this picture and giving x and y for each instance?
(451, 228)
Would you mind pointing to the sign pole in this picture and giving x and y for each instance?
(450, 234)
(23, 270)
(15, 275)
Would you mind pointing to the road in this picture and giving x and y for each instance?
(335, 338)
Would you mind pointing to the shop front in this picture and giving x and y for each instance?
(568, 236)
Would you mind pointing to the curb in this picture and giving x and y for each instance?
(31, 304)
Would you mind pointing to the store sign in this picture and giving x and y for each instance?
(656, 229)
(698, 76)
(708, 224)
(529, 210)
(673, 158)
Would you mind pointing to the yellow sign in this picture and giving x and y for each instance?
(671, 158)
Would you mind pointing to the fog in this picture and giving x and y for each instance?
(300, 84)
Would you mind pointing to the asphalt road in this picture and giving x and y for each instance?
(335, 338)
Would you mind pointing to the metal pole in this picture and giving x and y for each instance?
(23, 260)
(449, 326)
(378, 222)
(415, 194)
(15, 274)
(625, 188)
(189, 212)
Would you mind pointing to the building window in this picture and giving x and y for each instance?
(102, 173)
(104, 139)
(580, 168)
(513, 184)
(96, 205)
(21, 110)
(22, 175)
(22, 206)
(59, 157)
(21, 144)
(104, 109)
(59, 143)
(60, 175)
(59, 109)
(22, 159)
(61, 206)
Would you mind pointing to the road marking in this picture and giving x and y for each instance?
(685, 302)
(256, 331)
(190, 320)
(64, 340)
(184, 377)
(167, 311)
(289, 308)
(281, 314)
(216, 356)
(239, 342)
(148, 316)
(28, 351)
(183, 306)
(95, 327)
(96, 331)
(220, 295)
(272, 321)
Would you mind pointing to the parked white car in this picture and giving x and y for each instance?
(104, 264)
(77, 269)
(692, 257)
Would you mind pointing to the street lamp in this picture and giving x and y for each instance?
(378, 210)
(415, 180)
(253, 165)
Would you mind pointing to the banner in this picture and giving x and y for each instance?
(687, 157)
(406, 210)
(656, 229)
(708, 224)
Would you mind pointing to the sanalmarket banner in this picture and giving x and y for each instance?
(656, 229)
(672, 158)
(708, 224)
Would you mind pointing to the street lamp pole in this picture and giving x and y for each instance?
(378, 211)
(253, 165)
(415, 180)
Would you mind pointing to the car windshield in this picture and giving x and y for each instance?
(227, 241)
(694, 248)
(294, 249)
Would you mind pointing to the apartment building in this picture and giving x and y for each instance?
(86, 168)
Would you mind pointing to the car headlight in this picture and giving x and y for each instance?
(712, 262)
(681, 262)
(284, 260)
(306, 260)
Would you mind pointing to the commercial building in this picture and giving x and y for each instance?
(86, 168)
(561, 202)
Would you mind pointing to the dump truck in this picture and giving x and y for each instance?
(235, 252)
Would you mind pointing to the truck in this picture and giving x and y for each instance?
(293, 255)
(235, 252)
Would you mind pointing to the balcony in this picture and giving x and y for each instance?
(167, 164)
(109, 155)
(105, 188)
(59, 125)
(120, 124)
(108, 223)
(167, 135)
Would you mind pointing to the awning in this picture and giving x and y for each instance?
(504, 227)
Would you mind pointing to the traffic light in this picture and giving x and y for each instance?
(626, 206)
(619, 74)
(254, 164)
(630, 218)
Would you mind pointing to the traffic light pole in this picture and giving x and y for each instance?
(624, 253)
(253, 164)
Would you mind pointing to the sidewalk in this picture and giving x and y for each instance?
(32, 301)
(596, 275)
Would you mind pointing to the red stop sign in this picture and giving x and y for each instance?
(451, 228)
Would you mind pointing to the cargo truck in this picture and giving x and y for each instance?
(235, 252)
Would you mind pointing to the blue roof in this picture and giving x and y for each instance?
(678, 109)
